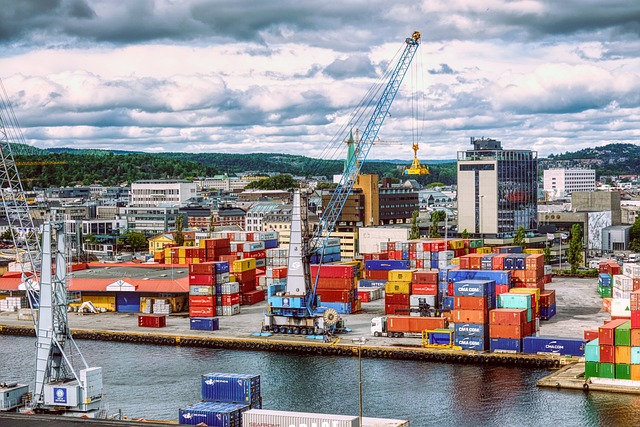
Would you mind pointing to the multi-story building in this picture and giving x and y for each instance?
(497, 189)
(198, 218)
(151, 193)
(255, 214)
(229, 216)
(396, 203)
(150, 220)
(559, 183)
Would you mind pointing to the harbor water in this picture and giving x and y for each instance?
(153, 382)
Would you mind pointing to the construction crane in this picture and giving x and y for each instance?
(293, 309)
(64, 382)
(416, 168)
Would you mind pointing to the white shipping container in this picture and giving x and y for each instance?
(620, 294)
(414, 300)
(264, 417)
(631, 270)
(230, 288)
(222, 278)
(443, 263)
(621, 307)
(547, 269)
(622, 282)
(444, 255)
(230, 310)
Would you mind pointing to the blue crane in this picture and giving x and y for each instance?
(291, 309)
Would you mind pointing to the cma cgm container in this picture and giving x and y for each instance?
(238, 388)
(204, 323)
(218, 414)
(562, 346)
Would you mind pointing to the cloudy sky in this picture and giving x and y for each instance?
(237, 76)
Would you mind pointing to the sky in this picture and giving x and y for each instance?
(284, 76)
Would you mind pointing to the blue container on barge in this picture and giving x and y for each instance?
(236, 388)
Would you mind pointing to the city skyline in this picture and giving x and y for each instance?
(283, 76)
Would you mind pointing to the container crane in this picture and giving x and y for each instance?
(293, 310)
(64, 382)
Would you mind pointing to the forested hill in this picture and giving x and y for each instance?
(611, 159)
(66, 167)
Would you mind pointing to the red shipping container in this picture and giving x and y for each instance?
(635, 320)
(202, 311)
(547, 298)
(202, 279)
(336, 283)
(507, 316)
(377, 274)
(279, 272)
(202, 268)
(425, 277)
(606, 332)
(470, 303)
(450, 288)
(497, 262)
(397, 309)
(424, 289)
(152, 321)
(247, 286)
(220, 242)
(364, 296)
(419, 263)
(401, 299)
(607, 354)
(327, 295)
(634, 301)
(506, 331)
(230, 299)
(256, 254)
(502, 289)
(590, 335)
(469, 316)
(245, 276)
(202, 301)
(253, 297)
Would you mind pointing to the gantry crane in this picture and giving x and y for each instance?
(293, 311)
(64, 382)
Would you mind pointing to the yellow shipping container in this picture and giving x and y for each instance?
(182, 261)
(484, 250)
(533, 251)
(392, 288)
(400, 276)
(534, 291)
(454, 261)
(456, 244)
(241, 265)
(182, 252)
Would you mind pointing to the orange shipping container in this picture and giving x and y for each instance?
(425, 276)
(535, 262)
(424, 289)
(505, 331)
(623, 354)
(202, 301)
(635, 337)
(547, 298)
(469, 316)
(507, 316)
(470, 303)
(635, 372)
(414, 324)
(336, 283)
(497, 262)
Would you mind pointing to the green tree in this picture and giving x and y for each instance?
(136, 240)
(179, 238)
(518, 239)
(278, 182)
(465, 234)
(547, 254)
(435, 184)
(415, 227)
(436, 217)
(6, 235)
(634, 236)
(576, 248)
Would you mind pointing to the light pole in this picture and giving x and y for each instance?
(360, 342)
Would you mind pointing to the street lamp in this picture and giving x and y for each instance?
(360, 342)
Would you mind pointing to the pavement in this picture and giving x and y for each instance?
(578, 307)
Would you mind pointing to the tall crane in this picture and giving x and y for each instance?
(293, 310)
(64, 382)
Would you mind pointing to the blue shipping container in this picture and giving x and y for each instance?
(499, 276)
(271, 243)
(127, 302)
(547, 313)
(447, 303)
(221, 267)
(472, 343)
(433, 263)
(362, 283)
(592, 351)
(232, 388)
(562, 346)
(520, 261)
(471, 330)
(340, 307)
(217, 414)
(390, 264)
(440, 338)
(474, 288)
(510, 345)
(204, 323)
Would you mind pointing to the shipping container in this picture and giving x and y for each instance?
(387, 265)
(471, 330)
(561, 346)
(152, 321)
(204, 323)
(218, 414)
(622, 354)
(203, 311)
(592, 351)
(472, 343)
(224, 387)
(591, 369)
(505, 345)
(475, 288)
(606, 332)
(271, 418)
(622, 334)
(412, 324)
(507, 316)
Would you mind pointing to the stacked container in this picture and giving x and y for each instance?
(202, 295)
(611, 355)
(245, 273)
(397, 291)
(337, 287)
(472, 301)
(511, 321)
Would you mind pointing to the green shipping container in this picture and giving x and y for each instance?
(605, 291)
(623, 334)
(592, 351)
(591, 369)
(607, 370)
(623, 371)
(515, 301)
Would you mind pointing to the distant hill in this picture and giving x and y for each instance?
(611, 159)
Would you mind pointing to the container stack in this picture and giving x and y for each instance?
(424, 290)
(254, 250)
(278, 257)
(513, 320)
(615, 353)
(224, 398)
(202, 296)
(227, 292)
(337, 287)
(331, 251)
(161, 306)
(244, 272)
(472, 301)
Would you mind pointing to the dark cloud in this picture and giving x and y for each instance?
(356, 65)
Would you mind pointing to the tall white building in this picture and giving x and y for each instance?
(166, 192)
(562, 182)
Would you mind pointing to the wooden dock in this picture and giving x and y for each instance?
(571, 377)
